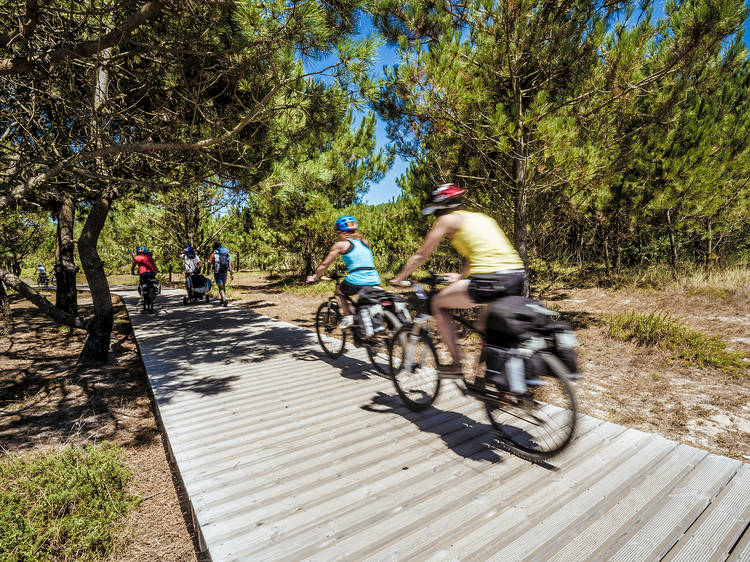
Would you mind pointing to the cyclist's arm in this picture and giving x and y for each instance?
(336, 250)
(444, 226)
(132, 268)
(465, 269)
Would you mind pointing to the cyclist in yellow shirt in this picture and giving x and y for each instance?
(492, 269)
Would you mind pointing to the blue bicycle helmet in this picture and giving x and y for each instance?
(342, 224)
(141, 250)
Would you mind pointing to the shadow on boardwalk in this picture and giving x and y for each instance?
(198, 348)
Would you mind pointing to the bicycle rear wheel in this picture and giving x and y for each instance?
(542, 422)
(377, 350)
(413, 365)
(332, 338)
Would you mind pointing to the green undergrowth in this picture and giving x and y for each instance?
(63, 505)
(661, 329)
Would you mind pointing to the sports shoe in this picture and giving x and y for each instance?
(451, 371)
(346, 322)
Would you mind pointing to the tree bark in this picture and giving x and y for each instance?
(66, 296)
(672, 244)
(6, 326)
(519, 191)
(606, 256)
(96, 347)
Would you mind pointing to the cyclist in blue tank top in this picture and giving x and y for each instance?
(357, 255)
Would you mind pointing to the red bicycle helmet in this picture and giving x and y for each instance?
(445, 196)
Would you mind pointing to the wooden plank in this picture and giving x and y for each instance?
(651, 537)
(741, 551)
(720, 526)
(285, 454)
(596, 529)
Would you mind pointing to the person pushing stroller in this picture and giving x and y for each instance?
(195, 283)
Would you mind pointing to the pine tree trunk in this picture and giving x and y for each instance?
(6, 324)
(520, 216)
(96, 347)
(672, 245)
(66, 297)
(606, 256)
(519, 191)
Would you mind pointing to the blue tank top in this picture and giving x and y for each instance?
(360, 256)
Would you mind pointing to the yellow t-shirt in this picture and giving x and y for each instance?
(481, 241)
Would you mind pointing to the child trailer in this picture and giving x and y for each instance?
(197, 288)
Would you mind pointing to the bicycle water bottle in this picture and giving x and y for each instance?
(366, 322)
(515, 373)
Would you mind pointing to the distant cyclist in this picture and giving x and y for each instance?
(41, 275)
(219, 260)
(493, 266)
(355, 250)
(145, 264)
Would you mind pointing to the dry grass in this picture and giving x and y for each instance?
(47, 401)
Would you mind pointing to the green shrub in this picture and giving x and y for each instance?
(660, 329)
(63, 505)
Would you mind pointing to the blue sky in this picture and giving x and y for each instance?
(387, 189)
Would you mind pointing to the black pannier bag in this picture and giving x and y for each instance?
(565, 343)
(513, 318)
(499, 365)
(495, 359)
(371, 294)
(368, 320)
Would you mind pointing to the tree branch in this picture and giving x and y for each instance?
(28, 24)
(18, 191)
(40, 302)
(20, 65)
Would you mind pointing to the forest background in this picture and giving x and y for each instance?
(605, 137)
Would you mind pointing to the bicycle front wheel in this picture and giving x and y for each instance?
(542, 422)
(413, 364)
(377, 350)
(332, 338)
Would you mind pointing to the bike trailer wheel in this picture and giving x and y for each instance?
(540, 423)
(413, 363)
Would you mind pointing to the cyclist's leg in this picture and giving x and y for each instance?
(343, 290)
(346, 307)
(455, 295)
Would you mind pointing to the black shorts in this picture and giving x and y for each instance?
(350, 289)
(487, 287)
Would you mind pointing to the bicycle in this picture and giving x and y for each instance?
(536, 424)
(148, 292)
(333, 339)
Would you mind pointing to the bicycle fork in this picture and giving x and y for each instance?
(413, 340)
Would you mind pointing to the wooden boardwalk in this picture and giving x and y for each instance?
(286, 455)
